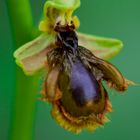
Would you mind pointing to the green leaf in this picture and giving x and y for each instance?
(104, 48)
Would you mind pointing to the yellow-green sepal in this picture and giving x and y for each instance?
(31, 57)
(58, 11)
(61, 5)
(105, 48)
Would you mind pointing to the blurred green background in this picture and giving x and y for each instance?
(110, 18)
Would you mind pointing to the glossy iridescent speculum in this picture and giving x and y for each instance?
(74, 83)
(75, 68)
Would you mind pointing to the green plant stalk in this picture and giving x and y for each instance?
(23, 107)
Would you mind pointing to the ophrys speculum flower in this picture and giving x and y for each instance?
(74, 81)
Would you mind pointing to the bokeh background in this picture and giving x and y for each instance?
(110, 18)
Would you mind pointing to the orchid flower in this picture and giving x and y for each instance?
(75, 64)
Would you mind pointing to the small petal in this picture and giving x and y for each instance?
(44, 26)
(76, 22)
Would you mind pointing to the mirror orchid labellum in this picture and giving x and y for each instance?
(74, 83)
(75, 66)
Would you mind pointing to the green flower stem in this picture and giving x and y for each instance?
(21, 20)
(23, 107)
